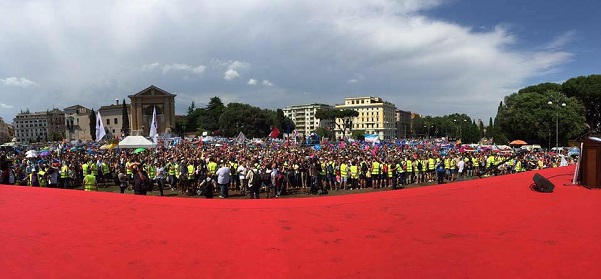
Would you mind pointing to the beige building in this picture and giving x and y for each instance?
(56, 124)
(304, 119)
(112, 118)
(403, 124)
(77, 123)
(6, 132)
(142, 106)
(376, 116)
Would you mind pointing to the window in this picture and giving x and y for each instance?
(108, 121)
(116, 122)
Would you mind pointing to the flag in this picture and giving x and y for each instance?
(241, 138)
(100, 132)
(274, 133)
(153, 126)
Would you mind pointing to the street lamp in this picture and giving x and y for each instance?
(558, 106)
(460, 124)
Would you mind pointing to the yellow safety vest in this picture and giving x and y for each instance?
(41, 179)
(65, 172)
(354, 171)
(190, 171)
(89, 183)
(343, 170)
(409, 166)
(127, 169)
(431, 164)
(375, 168)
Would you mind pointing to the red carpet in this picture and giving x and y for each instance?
(487, 228)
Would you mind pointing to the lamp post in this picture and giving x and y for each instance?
(460, 124)
(558, 106)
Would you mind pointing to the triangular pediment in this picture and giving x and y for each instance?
(152, 91)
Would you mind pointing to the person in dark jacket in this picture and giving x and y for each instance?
(140, 178)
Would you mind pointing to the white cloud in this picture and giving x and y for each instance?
(176, 67)
(17, 81)
(5, 106)
(561, 40)
(231, 74)
(401, 53)
(267, 83)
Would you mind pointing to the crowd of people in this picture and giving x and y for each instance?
(274, 168)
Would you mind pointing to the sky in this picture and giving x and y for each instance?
(432, 57)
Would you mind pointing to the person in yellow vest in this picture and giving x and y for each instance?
(409, 171)
(400, 167)
(391, 174)
(43, 177)
(431, 168)
(65, 175)
(84, 169)
(190, 176)
(354, 172)
(94, 168)
(376, 169)
(106, 171)
(89, 182)
(343, 175)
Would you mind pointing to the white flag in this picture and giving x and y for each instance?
(153, 126)
(100, 132)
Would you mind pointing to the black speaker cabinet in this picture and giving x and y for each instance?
(542, 184)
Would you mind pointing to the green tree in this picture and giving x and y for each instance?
(541, 88)
(191, 108)
(209, 120)
(587, 89)
(341, 119)
(355, 134)
(93, 125)
(124, 119)
(252, 121)
(529, 117)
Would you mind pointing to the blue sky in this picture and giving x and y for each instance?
(537, 23)
(433, 57)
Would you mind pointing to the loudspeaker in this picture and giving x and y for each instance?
(542, 184)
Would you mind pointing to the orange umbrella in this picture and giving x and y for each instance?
(517, 142)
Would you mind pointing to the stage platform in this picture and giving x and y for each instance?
(484, 228)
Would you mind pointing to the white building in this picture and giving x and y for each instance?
(303, 117)
(376, 116)
(112, 118)
(31, 127)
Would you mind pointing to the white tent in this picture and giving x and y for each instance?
(136, 142)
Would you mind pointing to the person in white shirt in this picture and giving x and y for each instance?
(223, 179)
(460, 167)
(242, 176)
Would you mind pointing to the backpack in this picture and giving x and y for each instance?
(256, 178)
(419, 165)
(147, 184)
(363, 167)
(330, 169)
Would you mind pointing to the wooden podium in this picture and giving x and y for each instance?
(590, 168)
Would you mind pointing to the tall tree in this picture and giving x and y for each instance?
(489, 128)
(191, 108)
(529, 116)
(587, 89)
(541, 88)
(93, 125)
(124, 119)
